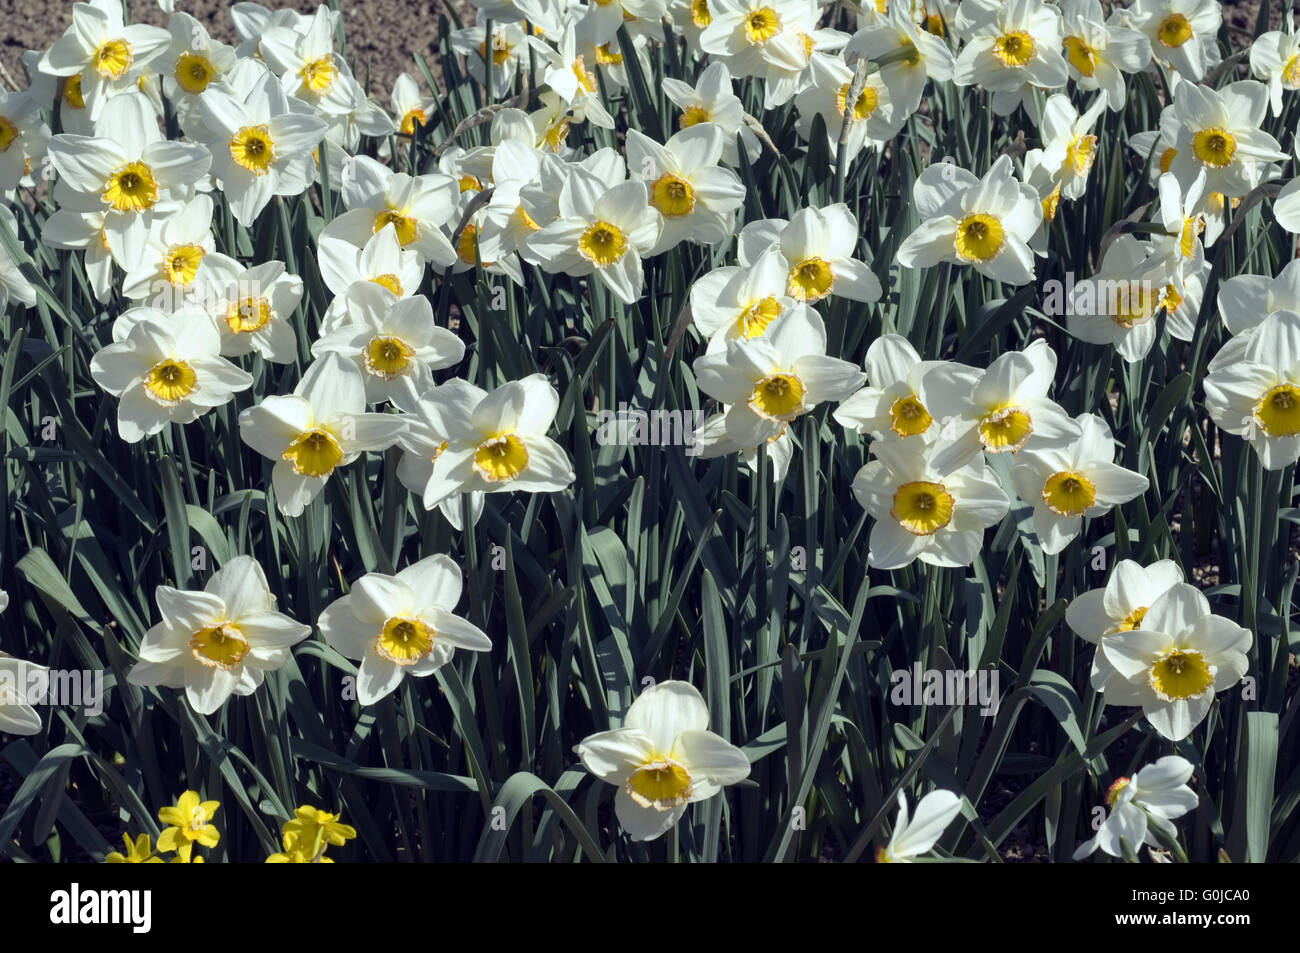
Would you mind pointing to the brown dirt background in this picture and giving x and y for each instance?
(381, 34)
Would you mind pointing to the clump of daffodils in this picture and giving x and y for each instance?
(726, 240)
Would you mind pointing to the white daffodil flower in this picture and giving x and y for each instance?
(1099, 51)
(767, 39)
(102, 53)
(1120, 606)
(986, 223)
(74, 231)
(307, 64)
(1275, 60)
(551, 122)
(508, 222)
(1257, 395)
(1245, 301)
(754, 35)
(1067, 481)
(1007, 405)
(1117, 306)
(192, 63)
(1042, 173)
(253, 310)
(1181, 215)
(496, 443)
(785, 81)
(410, 107)
(600, 230)
(395, 343)
(1156, 148)
(219, 641)
(1220, 133)
(416, 206)
(510, 48)
(24, 138)
(605, 54)
(1183, 293)
(641, 17)
(426, 435)
(179, 261)
(469, 253)
(261, 146)
(1151, 799)
(357, 116)
(737, 302)
(13, 285)
(1069, 143)
(252, 22)
(712, 440)
(1176, 661)
(903, 399)
(663, 758)
(401, 625)
(1181, 33)
(921, 513)
(17, 716)
(348, 269)
(818, 246)
(571, 78)
(689, 18)
(126, 170)
(1013, 51)
(697, 198)
(872, 119)
(471, 168)
(924, 55)
(166, 369)
(711, 99)
(917, 835)
(321, 426)
(765, 382)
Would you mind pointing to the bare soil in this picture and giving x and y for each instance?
(381, 34)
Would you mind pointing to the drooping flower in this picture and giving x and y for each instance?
(1148, 801)
(916, 835)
